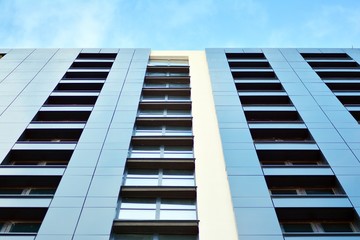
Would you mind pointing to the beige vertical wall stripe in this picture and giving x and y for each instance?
(215, 210)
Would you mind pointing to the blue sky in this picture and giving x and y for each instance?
(179, 24)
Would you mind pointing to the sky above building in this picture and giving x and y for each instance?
(179, 24)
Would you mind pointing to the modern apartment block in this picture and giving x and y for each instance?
(134, 144)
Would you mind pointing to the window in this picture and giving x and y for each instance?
(38, 163)
(19, 227)
(341, 74)
(262, 87)
(91, 65)
(321, 221)
(71, 100)
(41, 191)
(27, 191)
(11, 191)
(303, 191)
(272, 116)
(356, 115)
(291, 157)
(164, 113)
(85, 75)
(172, 84)
(319, 227)
(97, 56)
(157, 209)
(266, 100)
(325, 56)
(249, 65)
(51, 135)
(62, 116)
(245, 75)
(338, 227)
(38, 157)
(76, 87)
(167, 68)
(165, 130)
(154, 62)
(159, 177)
(166, 74)
(161, 152)
(316, 186)
(241, 56)
(160, 98)
(292, 163)
(349, 100)
(297, 227)
(149, 131)
(340, 87)
(334, 65)
(281, 135)
(154, 237)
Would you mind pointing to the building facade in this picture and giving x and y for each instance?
(134, 144)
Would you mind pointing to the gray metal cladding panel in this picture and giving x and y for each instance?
(97, 163)
(67, 216)
(329, 122)
(248, 224)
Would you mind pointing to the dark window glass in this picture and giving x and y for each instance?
(337, 227)
(134, 237)
(153, 237)
(56, 163)
(177, 237)
(42, 191)
(283, 191)
(25, 227)
(11, 191)
(297, 227)
(177, 173)
(304, 163)
(273, 163)
(319, 191)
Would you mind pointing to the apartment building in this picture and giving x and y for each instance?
(135, 144)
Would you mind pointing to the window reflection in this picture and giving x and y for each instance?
(164, 113)
(161, 152)
(169, 84)
(165, 97)
(165, 130)
(159, 177)
(157, 209)
(167, 74)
